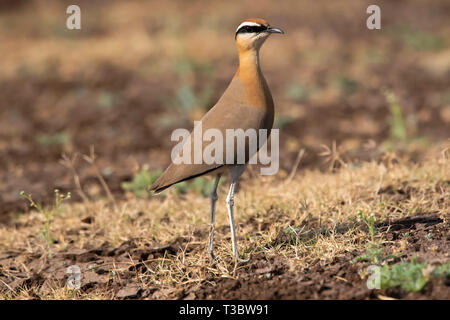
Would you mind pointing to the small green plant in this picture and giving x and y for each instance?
(186, 98)
(106, 100)
(298, 92)
(199, 185)
(369, 221)
(48, 214)
(346, 85)
(397, 122)
(407, 275)
(375, 252)
(144, 179)
(189, 100)
(411, 276)
(442, 270)
(402, 128)
(141, 182)
(60, 138)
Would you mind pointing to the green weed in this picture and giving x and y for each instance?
(188, 100)
(106, 100)
(346, 85)
(442, 270)
(60, 138)
(199, 185)
(298, 92)
(420, 40)
(141, 182)
(397, 122)
(144, 179)
(375, 252)
(407, 275)
(48, 214)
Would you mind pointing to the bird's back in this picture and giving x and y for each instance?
(242, 106)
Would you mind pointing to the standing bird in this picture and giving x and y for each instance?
(246, 104)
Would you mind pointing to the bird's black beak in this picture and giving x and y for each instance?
(274, 30)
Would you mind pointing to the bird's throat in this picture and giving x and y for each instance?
(249, 72)
(249, 63)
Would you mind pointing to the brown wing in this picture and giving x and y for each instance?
(230, 112)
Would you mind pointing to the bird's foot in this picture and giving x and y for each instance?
(212, 256)
(238, 259)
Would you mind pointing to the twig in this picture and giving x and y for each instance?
(299, 158)
(91, 160)
(380, 182)
(70, 164)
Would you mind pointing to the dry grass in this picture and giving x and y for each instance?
(322, 208)
(159, 48)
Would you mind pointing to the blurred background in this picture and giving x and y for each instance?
(137, 70)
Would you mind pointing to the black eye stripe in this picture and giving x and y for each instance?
(251, 29)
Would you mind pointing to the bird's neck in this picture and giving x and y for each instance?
(249, 63)
(249, 73)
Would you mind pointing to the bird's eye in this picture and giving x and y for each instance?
(251, 29)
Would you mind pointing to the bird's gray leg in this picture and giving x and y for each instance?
(235, 174)
(213, 197)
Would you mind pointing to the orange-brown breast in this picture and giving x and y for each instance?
(257, 93)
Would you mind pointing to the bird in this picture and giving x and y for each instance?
(246, 104)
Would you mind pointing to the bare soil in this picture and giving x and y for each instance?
(261, 278)
(129, 132)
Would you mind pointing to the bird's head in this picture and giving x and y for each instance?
(252, 33)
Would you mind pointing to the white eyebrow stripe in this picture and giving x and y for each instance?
(248, 23)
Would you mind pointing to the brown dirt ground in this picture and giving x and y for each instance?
(124, 141)
(261, 278)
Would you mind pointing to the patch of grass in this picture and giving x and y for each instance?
(402, 128)
(168, 120)
(141, 182)
(298, 92)
(442, 270)
(186, 66)
(106, 100)
(60, 138)
(186, 98)
(298, 235)
(346, 84)
(420, 40)
(189, 101)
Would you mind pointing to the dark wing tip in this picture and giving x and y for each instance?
(156, 187)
